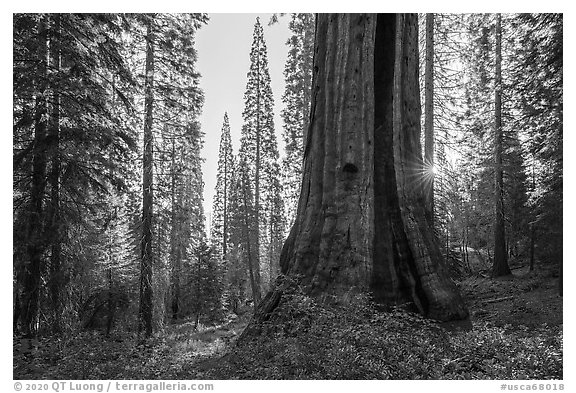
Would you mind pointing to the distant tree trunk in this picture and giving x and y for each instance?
(532, 226)
(249, 234)
(500, 266)
(464, 250)
(429, 116)
(258, 165)
(198, 286)
(532, 236)
(467, 235)
(466, 256)
(271, 264)
(561, 279)
(31, 274)
(111, 303)
(361, 224)
(16, 309)
(174, 246)
(225, 207)
(145, 311)
(54, 179)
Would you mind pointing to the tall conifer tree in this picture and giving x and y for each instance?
(298, 78)
(259, 151)
(178, 210)
(71, 148)
(219, 228)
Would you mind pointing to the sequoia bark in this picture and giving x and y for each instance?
(361, 225)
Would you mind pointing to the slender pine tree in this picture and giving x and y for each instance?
(500, 266)
(259, 152)
(220, 235)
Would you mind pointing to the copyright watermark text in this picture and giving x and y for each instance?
(110, 386)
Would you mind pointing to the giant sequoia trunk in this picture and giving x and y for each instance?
(361, 225)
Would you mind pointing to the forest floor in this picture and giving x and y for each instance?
(527, 299)
(515, 332)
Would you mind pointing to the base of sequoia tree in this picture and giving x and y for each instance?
(270, 311)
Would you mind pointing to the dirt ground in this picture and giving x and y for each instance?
(526, 298)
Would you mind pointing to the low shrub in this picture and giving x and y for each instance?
(304, 339)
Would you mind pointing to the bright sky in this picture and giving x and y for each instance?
(223, 47)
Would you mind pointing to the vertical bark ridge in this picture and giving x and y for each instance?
(344, 254)
(336, 45)
(332, 247)
(366, 203)
(384, 278)
(393, 282)
(326, 220)
(400, 171)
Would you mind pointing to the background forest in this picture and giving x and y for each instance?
(111, 250)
